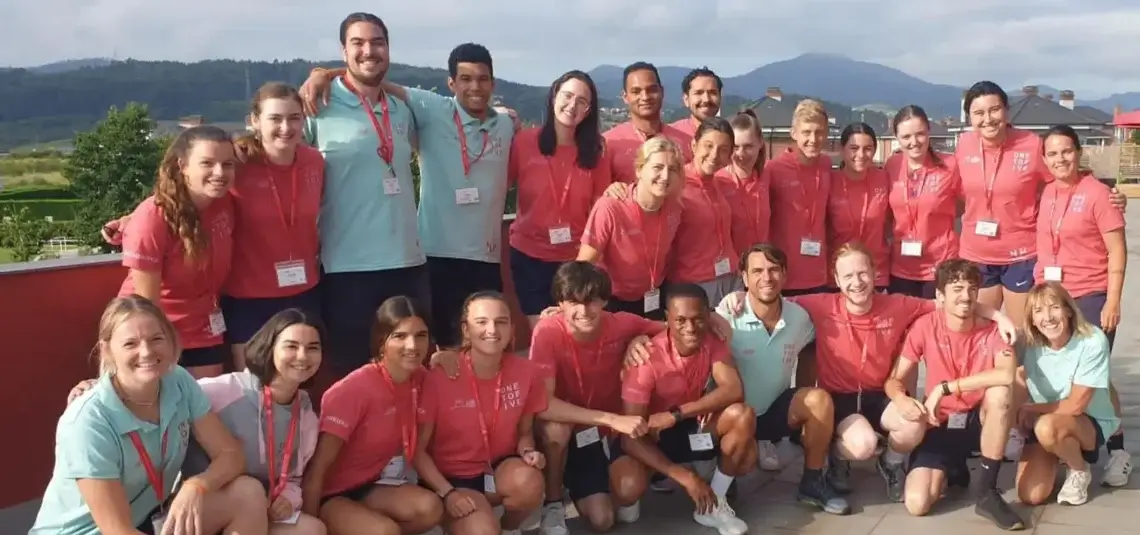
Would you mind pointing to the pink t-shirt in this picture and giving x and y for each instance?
(842, 339)
(373, 420)
(751, 208)
(276, 208)
(587, 374)
(686, 126)
(857, 212)
(924, 205)
(799, 212)
(1084, 215)
(189, 292)
(634, 245)
(702, 249)
(1020, 173)
(623, 140)
(668, 380)
(553, 194)
(457, 442)
(951, 355)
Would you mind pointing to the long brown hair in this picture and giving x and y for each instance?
(172, 196)
(746, 119)
(249, 146)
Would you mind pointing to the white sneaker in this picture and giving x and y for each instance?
(1117, 469)
(630, 513)
(723, 519)
(769, 457)
(554, 519)
(533, 521)
(1075, 491)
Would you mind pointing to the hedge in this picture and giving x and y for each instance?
(57, 209)
(35, 192)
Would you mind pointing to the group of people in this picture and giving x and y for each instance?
(692, 302)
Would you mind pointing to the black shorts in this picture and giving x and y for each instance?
(349, 301)
(873, 404)
(945, 449)
(637, 308)
(773, 424)
(1091, 305)
(674, 443)
(453, 280)
(1016, 277)
(913, 288)
(245, 316)
(205, 356)
(1091, 456)
(474, 483)
(587, 469)
(532, 279)
(355, 494)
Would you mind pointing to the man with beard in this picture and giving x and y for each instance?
(700, 93)
(643, 94)
(767, 339)
(969, 373)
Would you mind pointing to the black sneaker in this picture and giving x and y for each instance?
(993, 507)
(839, 474)
(814, 490)
(895, 476)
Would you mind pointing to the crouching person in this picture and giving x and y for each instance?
(685, 425)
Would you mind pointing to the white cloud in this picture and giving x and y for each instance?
(1087, 46)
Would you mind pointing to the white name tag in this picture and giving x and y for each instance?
(467, 196)
(559, 235)
(722, 267)
(700, 442)
(587, 436)
(957, 420)
(393, 474)
(652, 300)
(986, 228)
(489, 483)
(217, 323)
(391, 186)
(1053, 273)
(291, 273)
(810, 247)
(911, 248)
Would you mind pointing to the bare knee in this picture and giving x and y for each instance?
(555, 435)
(520, 485)
(857, 442)
(818, 402)
(907, 435)
(478, 523)
(425, 511)
(307, 525)
(997, 400)
(599, 513)
(628, 481)
(246, 494)
(918, 502)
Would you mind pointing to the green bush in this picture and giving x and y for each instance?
(35, 192)
(57, 209)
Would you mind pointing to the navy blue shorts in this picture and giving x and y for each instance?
(205, 356)
(1016, 277)
(1091, 305)
(532, 278)
(1090, 456)
(452, 281)
(913, 288)
(245, 316)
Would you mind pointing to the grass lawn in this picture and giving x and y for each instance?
(6, 256)
(32, 179)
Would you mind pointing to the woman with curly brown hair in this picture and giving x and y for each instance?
(178, 243)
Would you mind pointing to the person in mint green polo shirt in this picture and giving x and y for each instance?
(370, 246)
(767, 339)
(119, 446)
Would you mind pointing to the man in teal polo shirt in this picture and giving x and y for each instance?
(767, 340)
(370, 247)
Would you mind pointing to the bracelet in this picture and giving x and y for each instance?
(444, 496)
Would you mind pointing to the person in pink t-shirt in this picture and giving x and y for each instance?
(476, 432)
(924, 205)
(857, 208)
(560, 169)
(744, 184)
(643, 95)
(801, 184)
(969, 372)
(630, 233)
(178, 242)
(358, 476)
(700, 94)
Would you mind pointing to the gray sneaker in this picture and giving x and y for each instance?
(816, 491)
(839, 474)
(894, 474)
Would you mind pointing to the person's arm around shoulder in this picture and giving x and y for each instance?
(88, 452)
(599, 231)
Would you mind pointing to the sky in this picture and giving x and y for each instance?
(1086, 45)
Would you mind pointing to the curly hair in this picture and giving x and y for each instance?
(172, 196)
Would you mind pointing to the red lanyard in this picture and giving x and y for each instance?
(964, 367)
(287, 223)
(152, 475)
(989, 184)
(483, 427)
(855, 340)
(651, 260)
(409, 432)
(467, 161)
(576, 364)
(911, 200)
(276, 487)
(385, 132)
(753, 179)
(866, 205)
(1055, 228)
(553, 188)
(810, 200)
(704, 184)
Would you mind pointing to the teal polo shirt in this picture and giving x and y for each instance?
(91, 442)
(363, 226)
(449, 228)
(1050, 375)
(766, 361)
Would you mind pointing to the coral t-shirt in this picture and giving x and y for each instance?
(635, 245)
(669, 380)
(1084, 215)
(857, 211)
(702, 249)
(751, 207)
(623, 140)
(924, 207)
(799, 214)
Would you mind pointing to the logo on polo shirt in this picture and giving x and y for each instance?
(1021, 161)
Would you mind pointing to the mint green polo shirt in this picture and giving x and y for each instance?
(766, 361)
(363, 227)
(1050, 375)
(449, 229)
(91, 442)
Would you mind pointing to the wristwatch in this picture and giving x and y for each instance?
(677, 415)
(945, 388)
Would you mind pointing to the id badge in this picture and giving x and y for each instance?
(391, 186)
(291, 273)
(810, 247)
(467, 196)
(393, 474)
(559, 235)
(985, 228)
(291, 520)
(586, 437)
(721, 267)
(957, 421)
(217, 323)
(1053, 273)
(652, 300)
(911, 248)
(700, 442)
(489, 483)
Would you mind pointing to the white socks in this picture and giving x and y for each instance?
(720, 483)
